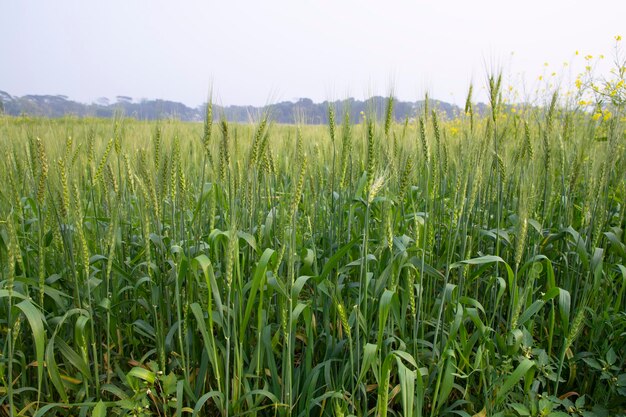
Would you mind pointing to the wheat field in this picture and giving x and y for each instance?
(372, 267)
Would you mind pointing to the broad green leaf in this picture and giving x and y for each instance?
(369, 357)
(36, 322)
(53, 370)
(407, 379)
(520, 409)
(207, 269)
(250, 240)
(142, 373)
(298, 285)
(447, 380)
(513, 379)
(258, 281)
(217, 397)
(100, 410)
(5, 293)
(383, 312)
(420, 265)
(531, 311)
(334, 260)
(551, 293)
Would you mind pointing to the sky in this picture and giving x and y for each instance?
(266, 51)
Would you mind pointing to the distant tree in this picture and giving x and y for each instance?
(302, 110)
(305, 102)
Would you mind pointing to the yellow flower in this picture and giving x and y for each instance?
(588, 57)
(576, 52)
(607, 115)
(596, 116)
(579, 83)
(618, 38)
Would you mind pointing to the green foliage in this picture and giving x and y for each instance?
(436, 267)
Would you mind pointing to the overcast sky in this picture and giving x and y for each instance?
(257, 52)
